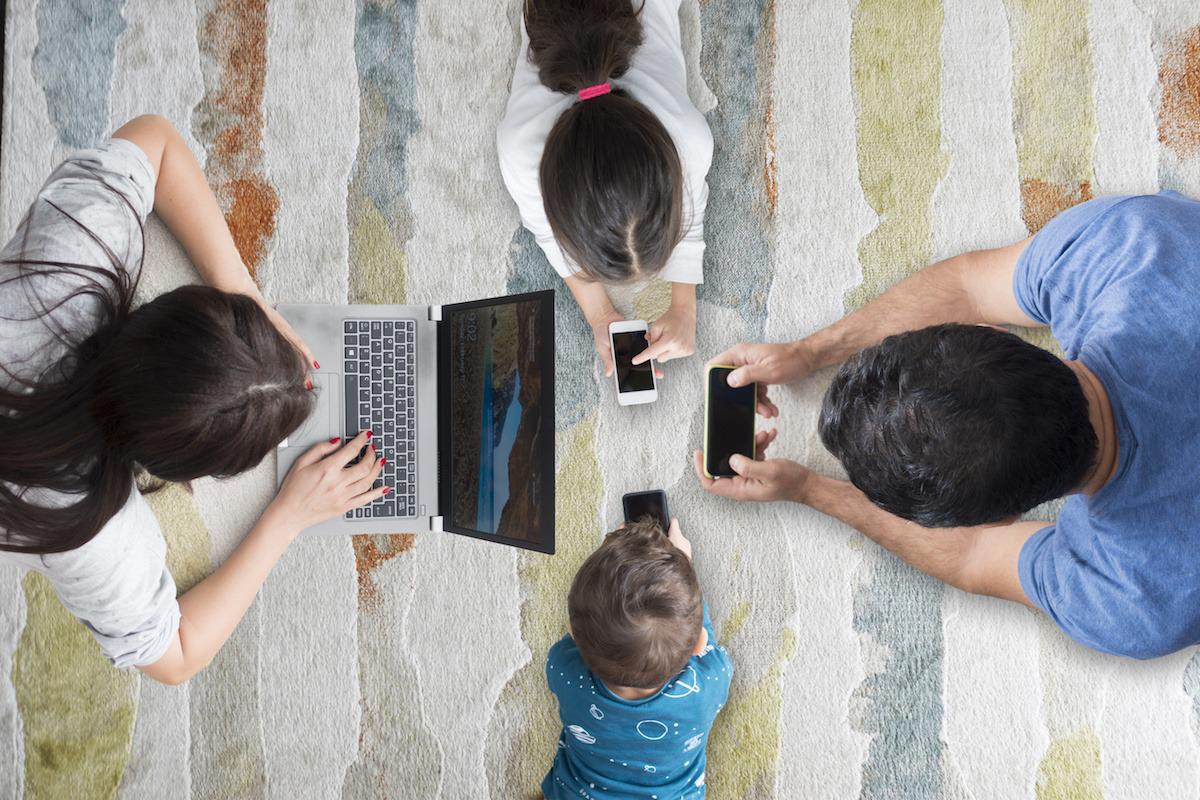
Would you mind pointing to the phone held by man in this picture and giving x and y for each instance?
(728, 421)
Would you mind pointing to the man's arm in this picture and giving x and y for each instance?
(972, 288)
(980, 559)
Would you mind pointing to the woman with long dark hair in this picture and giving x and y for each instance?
(607, 158)
(200, 381)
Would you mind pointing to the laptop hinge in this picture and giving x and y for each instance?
(435, 524)
(435, 313)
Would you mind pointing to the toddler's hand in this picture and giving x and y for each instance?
(675, 536)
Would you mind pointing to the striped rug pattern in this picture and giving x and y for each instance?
(351, 144)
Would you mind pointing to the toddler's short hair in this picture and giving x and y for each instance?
(635, 608)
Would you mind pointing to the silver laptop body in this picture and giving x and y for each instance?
(326, 330)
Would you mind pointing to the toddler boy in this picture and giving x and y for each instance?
(639, 678)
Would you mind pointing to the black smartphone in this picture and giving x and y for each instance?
(728, 422)
(639, 505)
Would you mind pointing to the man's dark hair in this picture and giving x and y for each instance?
(958, 425)
(635, 608)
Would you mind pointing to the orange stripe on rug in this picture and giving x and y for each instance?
(229, 119)
(1179, 105)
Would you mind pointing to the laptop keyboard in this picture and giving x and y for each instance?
(379, 363)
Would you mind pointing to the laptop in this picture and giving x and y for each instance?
(460, 399)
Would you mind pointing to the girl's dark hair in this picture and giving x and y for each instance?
(635, 608)
(196, 382)
(611, 179)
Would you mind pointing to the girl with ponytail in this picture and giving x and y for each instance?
(607, 158)
(201, 381)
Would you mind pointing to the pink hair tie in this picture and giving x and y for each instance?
(595, 91)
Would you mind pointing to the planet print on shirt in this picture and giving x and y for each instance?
(595, 712)
(651, 729)
(692, 743)
(581, 734)
(687, 683)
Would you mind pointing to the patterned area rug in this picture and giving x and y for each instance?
(351, 145)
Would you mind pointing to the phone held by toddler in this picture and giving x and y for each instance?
(643, 505)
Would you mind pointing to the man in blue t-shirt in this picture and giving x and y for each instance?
(947, 422)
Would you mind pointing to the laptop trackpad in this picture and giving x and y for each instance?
(322, 424)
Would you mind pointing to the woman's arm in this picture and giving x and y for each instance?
(185, 203)
(319, 487)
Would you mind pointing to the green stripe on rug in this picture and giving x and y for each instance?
(526, 723)
(896, 75)
(1054, 111)
(896, 60)
(1070, 770)
(743, 749)
(76, 710)
(185, 533)
(1054, 114)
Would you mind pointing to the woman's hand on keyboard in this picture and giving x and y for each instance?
(323, 483)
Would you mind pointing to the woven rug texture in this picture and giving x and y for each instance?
(351, 145)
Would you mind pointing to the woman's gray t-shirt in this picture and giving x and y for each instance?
(117, 584)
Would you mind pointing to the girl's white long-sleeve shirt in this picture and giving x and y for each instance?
(657, 78)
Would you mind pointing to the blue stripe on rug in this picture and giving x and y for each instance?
(73, 61)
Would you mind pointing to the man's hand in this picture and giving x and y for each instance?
(767, 364)
(762, 480)
(673, 335)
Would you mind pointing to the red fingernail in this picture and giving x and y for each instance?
(370, 434)
(382, 461)
(316, 365)
(387, 489)
(308, 385)
(335, 440)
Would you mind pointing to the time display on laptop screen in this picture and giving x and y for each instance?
(496, 419)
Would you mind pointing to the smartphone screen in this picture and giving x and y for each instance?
(632, 377)
(639, 505)
(730, 423)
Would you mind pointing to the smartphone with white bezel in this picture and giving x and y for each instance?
(636, 383)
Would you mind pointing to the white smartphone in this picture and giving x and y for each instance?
(636, 383)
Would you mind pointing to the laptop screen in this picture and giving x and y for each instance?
(497, 417)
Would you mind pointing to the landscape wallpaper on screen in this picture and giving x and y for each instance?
(495, 407)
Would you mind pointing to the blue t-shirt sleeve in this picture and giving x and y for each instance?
(1091, 606)
(556, 663)
(1035, 280)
